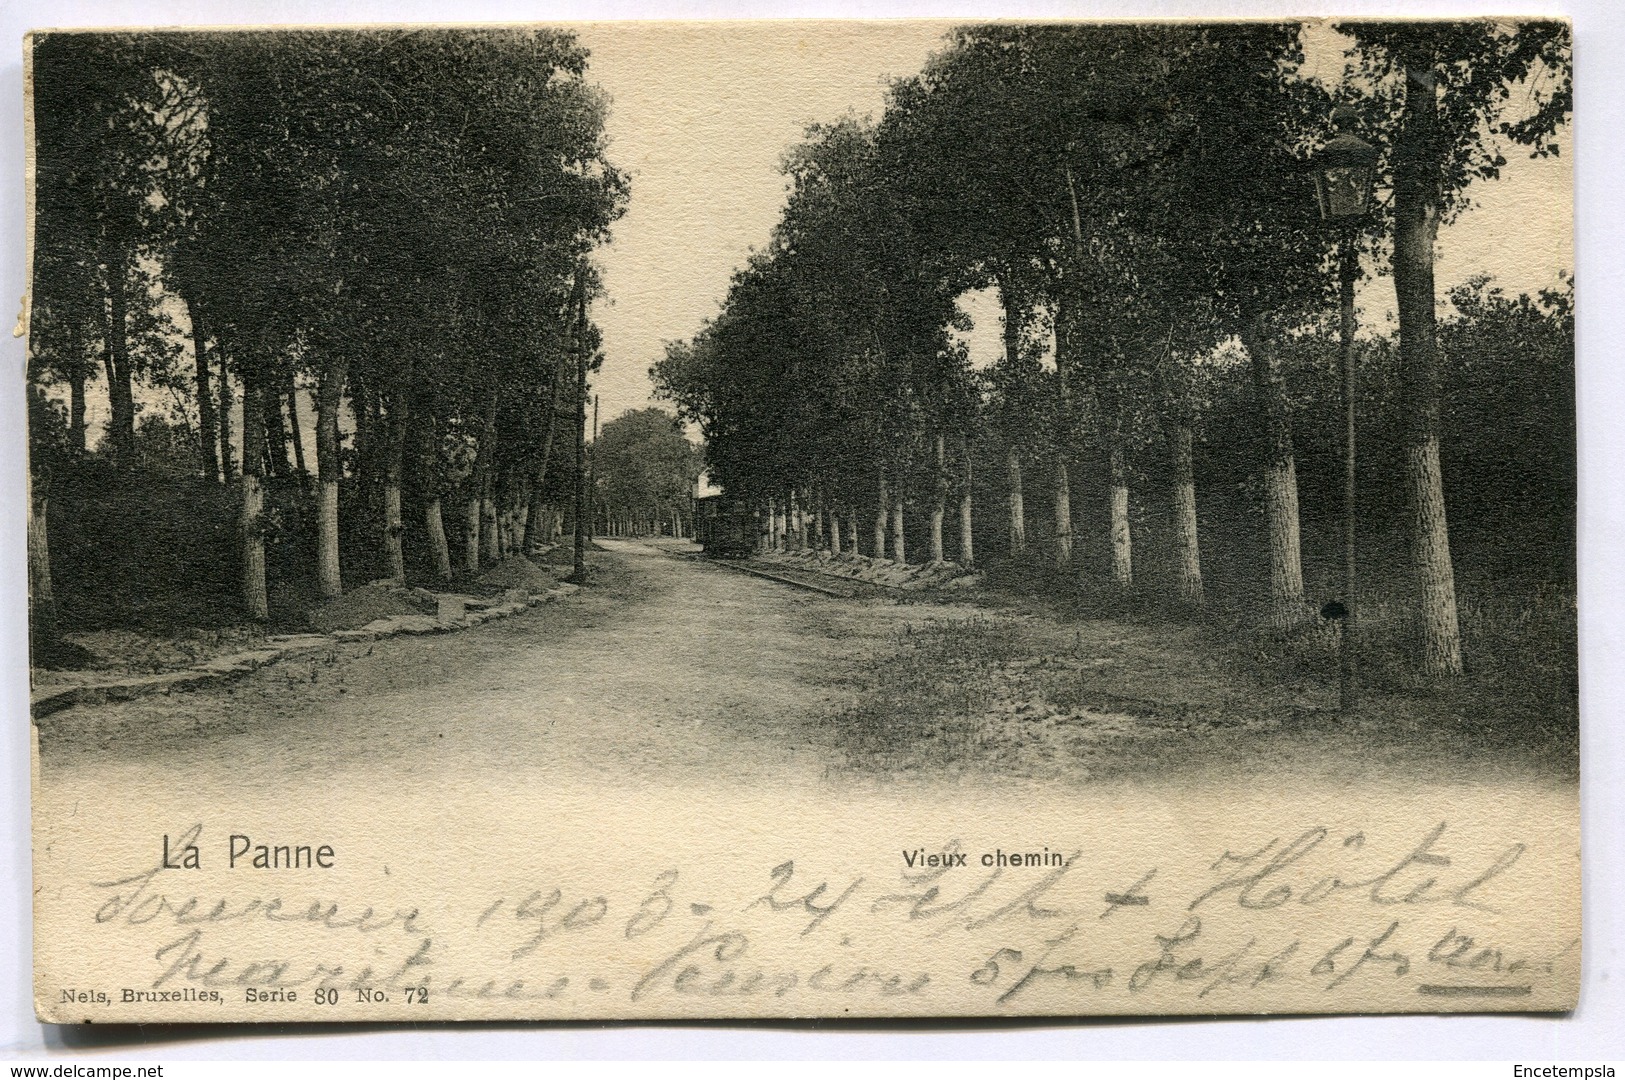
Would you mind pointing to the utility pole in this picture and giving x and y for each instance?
(592, 474)
(582, 508)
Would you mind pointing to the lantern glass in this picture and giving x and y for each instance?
(1344, 190)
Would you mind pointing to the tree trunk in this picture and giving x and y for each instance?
(41, 594)
(253, 507)
(1063, 516)
(227, 468)
(394, 563)
(73, 366)
(1122, 539)
(834, 533)
(491, 537)
(882, 511)
(1287, 607)
(549, 426)
(1018, 513)
(1286, 567)
(939, 506)
(436, 528)
(481, 510)
(295, 432)
(583, 493)
(120, 385)
(471, 535)
(1417, 169)
(1064, 359)
(852, 532)
(520, 518)
(899, 553)
(394, 452)
(967, 546)
(76, 409)
(276, 438)
(329, 471)
(208, 430)
(1187, 552)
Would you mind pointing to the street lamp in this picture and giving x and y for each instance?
(1343, 170)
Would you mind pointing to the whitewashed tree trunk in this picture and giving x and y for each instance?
(519, 518)
(939, 506)
(1430, 555)
(967, 546)
(436, 528)
(251, 526)
(328, 468)
(1122, 541)
(254, 592)
(1063, 516)
(490, 536)
(471, 536)
(1287, 607)
(1018, 512)
(898, 553)
(1417, 211)
(1187, 549)
(394, 561)
(1286, 565)
(327, 539)
(883, 508)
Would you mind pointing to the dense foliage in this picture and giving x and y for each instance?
(644, 470)
(384, 233)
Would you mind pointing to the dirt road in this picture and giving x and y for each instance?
(673, 671)
(666, 668)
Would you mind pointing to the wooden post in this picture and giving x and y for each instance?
(582, 506)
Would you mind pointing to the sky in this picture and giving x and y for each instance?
(701, 115)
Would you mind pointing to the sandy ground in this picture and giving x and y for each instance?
(666, 667)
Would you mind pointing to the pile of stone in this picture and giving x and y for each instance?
(424, 612)
(911, 576)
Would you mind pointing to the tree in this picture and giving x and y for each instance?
(294, 191)
(1446, 90)
(645, 470)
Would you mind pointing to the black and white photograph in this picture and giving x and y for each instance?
(787, 519)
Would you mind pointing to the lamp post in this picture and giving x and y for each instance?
(1343, 170)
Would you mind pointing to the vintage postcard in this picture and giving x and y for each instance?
(802, 519)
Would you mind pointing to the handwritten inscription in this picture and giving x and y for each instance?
(1315, 912)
